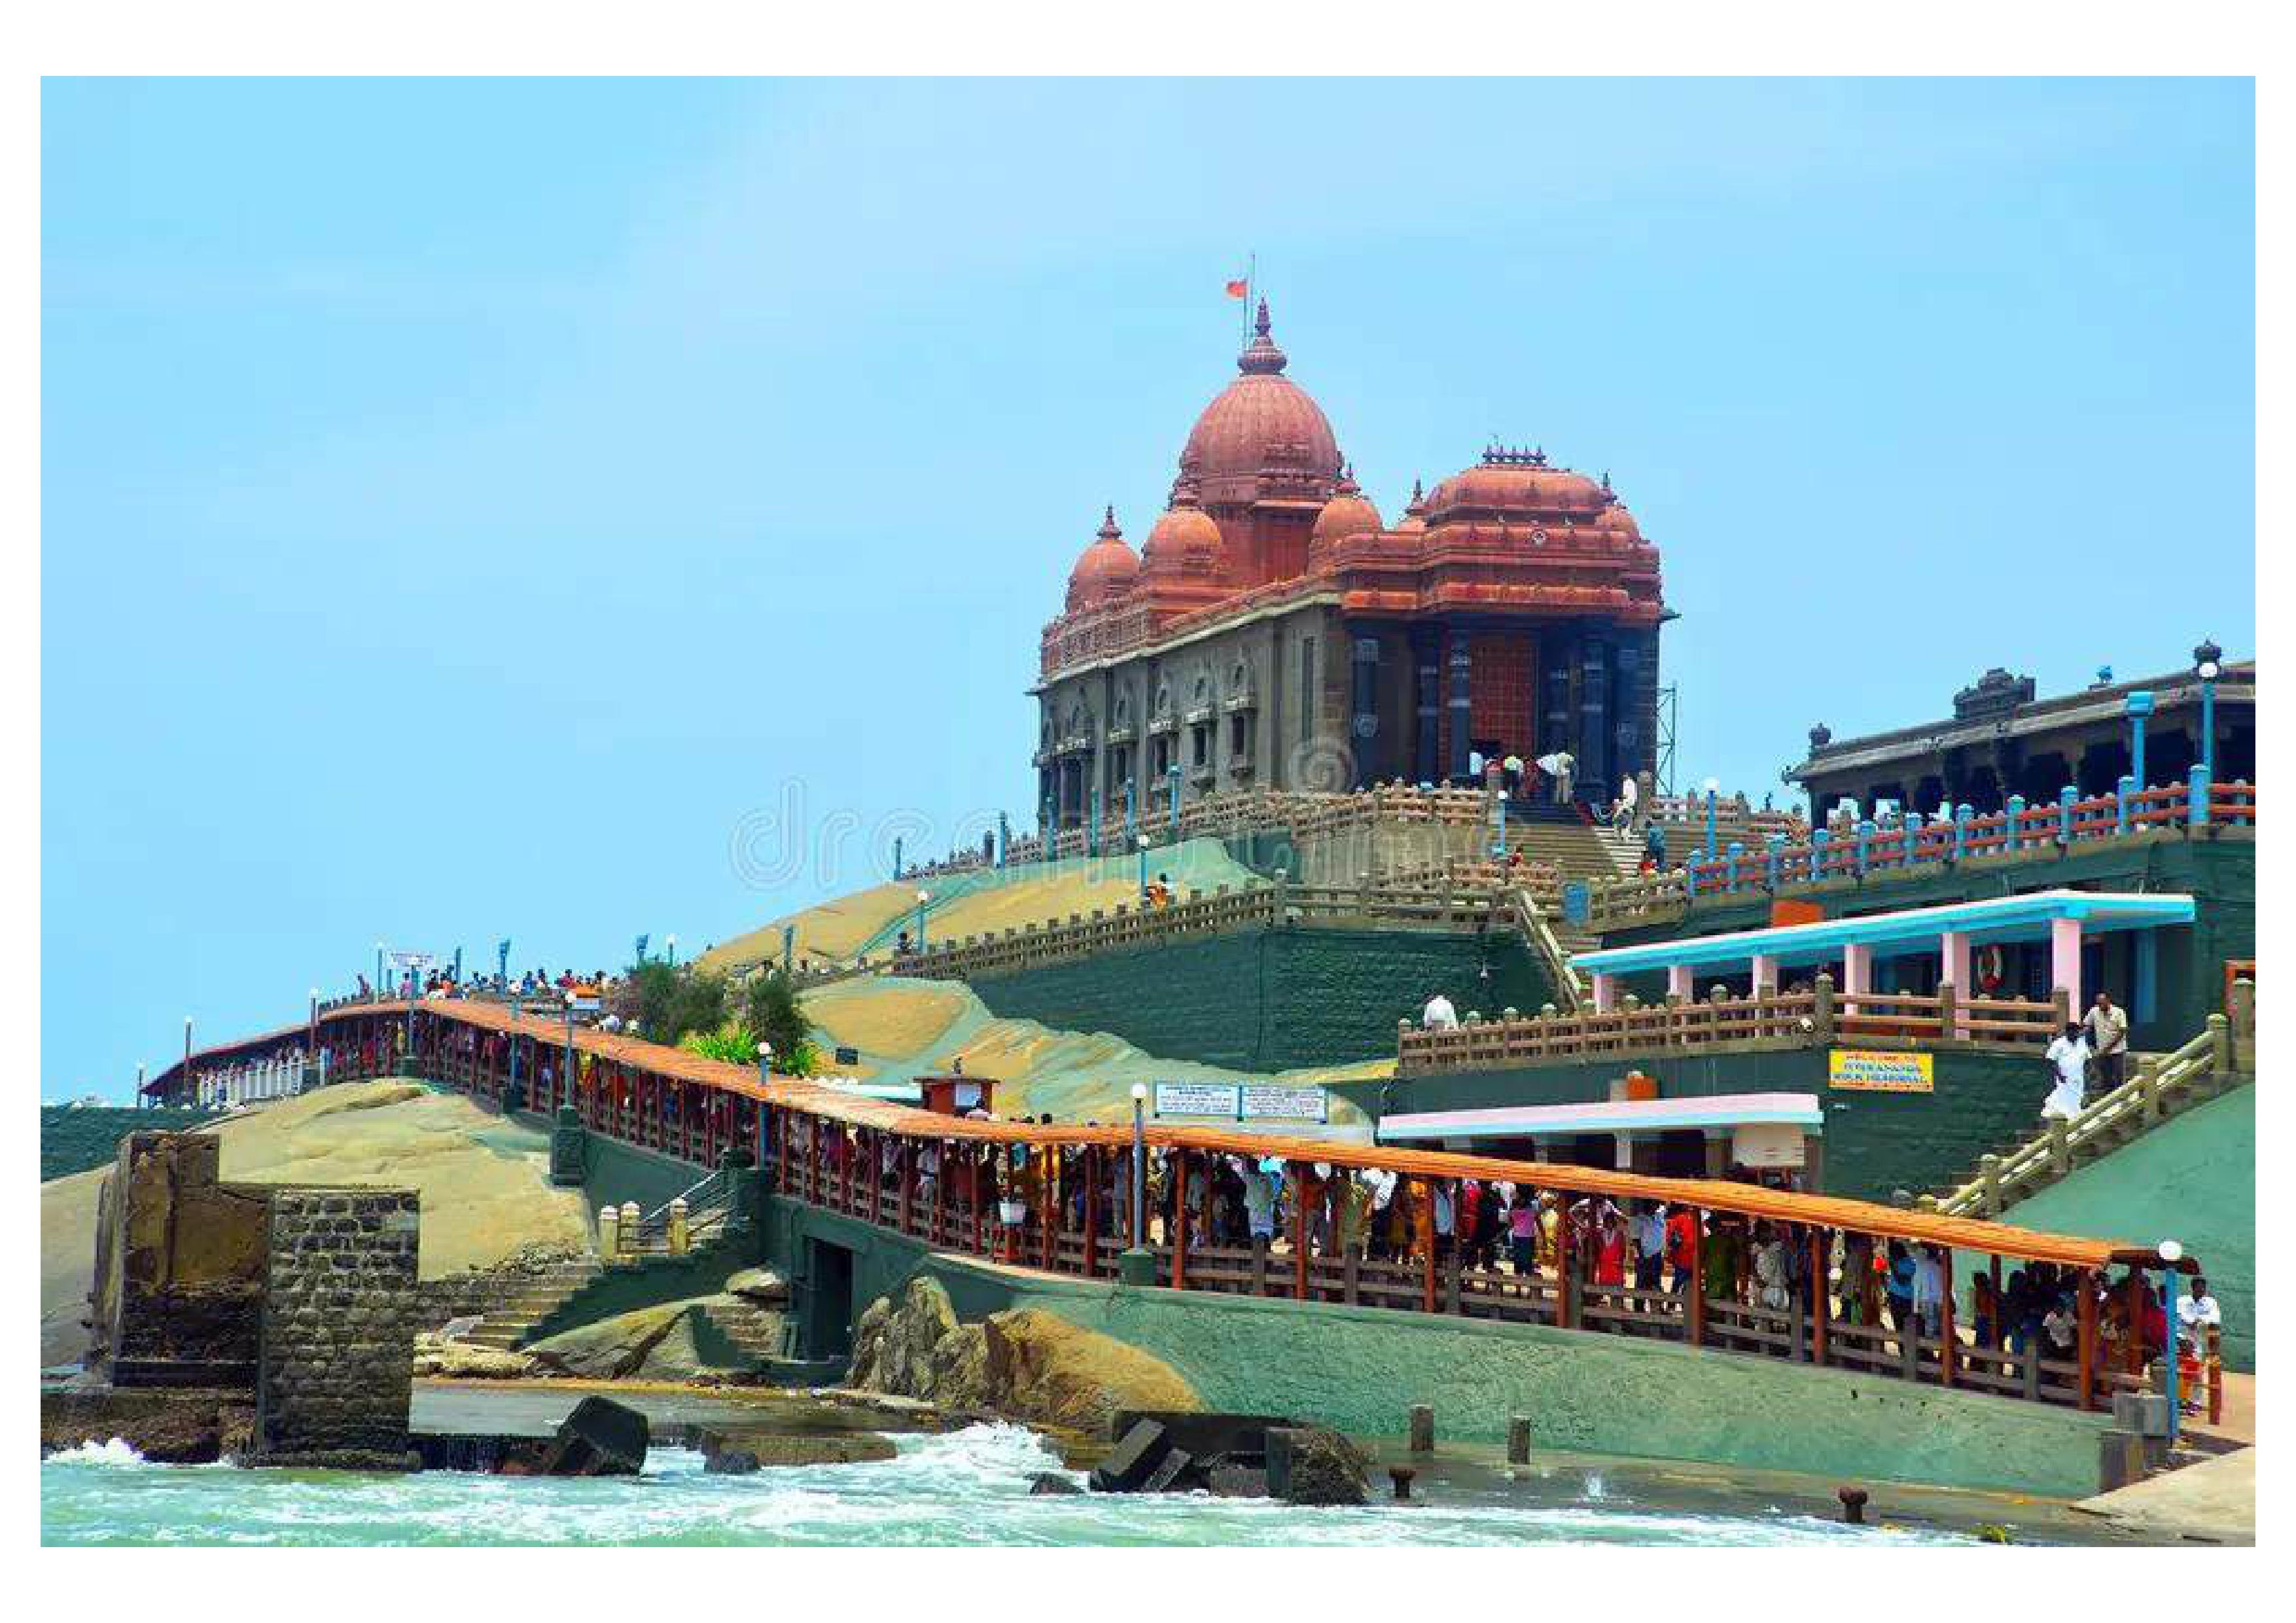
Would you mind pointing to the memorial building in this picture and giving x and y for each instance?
(1273, 631)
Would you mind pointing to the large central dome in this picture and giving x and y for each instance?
(1262, 423)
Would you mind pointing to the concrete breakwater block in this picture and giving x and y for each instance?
(600, 1438)
(1133, 1459)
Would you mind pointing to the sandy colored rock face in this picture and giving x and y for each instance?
(896, 1017)
(609, 1349)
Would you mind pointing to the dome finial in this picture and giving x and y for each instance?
(1108, 531)
(1260, 355)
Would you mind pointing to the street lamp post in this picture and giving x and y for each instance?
(566, 1076)
(1173, 774)
(311, 1038)
(922, 897)
(410, 1017)
(2171, 1252)
(381, 987)
(2206, 668)
(1140, 842)
(1713, 788)
(670, 942)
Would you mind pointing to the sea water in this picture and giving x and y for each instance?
(970, 1487)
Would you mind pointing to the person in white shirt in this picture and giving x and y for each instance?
(1929, 1290)
(1648, 1231)
(1622, 814)
(2068, 1057)
(1558, 767)
(1439, 1014)
(2197, 1314)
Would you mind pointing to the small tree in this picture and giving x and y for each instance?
(775, 1014)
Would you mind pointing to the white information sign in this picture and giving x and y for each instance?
(1288, 1103)
(1196, 1099)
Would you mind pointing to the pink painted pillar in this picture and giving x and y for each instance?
(1953, 968)
(1679, 981)
(1765, 973)
(1606, 993)
(1856, 971)
(2064, 960)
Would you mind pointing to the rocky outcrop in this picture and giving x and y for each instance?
(762, 1286)
(169, 1427)
(438, 1358)
(1030, 1364)
(1314, 1466)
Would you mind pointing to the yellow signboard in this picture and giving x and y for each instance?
(1874, 1070)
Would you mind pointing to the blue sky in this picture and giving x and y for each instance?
(468, 506)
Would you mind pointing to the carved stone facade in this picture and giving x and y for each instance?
(1274, 632)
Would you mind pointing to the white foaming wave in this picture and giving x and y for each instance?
(117, 1452)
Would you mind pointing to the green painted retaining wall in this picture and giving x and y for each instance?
(2193, 1180)
(1276, 999)
(1361, 1368)
(79, 1138)
(1874, 1143)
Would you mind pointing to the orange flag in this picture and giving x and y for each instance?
(1238, 290)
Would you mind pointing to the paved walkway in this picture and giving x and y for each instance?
(2213, 1502)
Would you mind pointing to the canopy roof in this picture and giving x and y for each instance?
(1605, 1116)
(2001, 918)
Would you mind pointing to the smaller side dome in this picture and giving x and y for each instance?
(1349, 512)
(1186, 540)
(1104, 571)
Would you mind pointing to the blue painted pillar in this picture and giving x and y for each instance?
(1131, 815)
(1003, 837)
(2013, 820)
(1864, 844)
(2196, 797)
(1730, 865)
(1911, 822)
(2209, 724)
(897, 856)
(2122, 790)
(1092, 829)
(2139, 706)
(2065, 799)
(1819, 839)
(2144, 974)
(1173, 774)
(1775, 844)
(1961, 816)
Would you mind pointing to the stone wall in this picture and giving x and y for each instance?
(336, 1370)
(1267, 1000)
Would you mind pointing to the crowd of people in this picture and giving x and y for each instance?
(1517, 1238)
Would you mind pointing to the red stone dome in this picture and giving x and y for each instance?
(1104, 571)
(1184, 540)
(1261, 422)
(1516, 484)
(1346, 514)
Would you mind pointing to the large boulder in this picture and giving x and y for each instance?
(1041, 1367)
(612, 1350)
(762, 1286)
(600, 1438)
(1030, 1364)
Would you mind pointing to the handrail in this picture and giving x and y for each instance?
(2195, 808)
(2002, 1180)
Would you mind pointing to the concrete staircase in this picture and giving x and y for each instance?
(508, 1326)
(761, 1334)
(1575, 850)
(2160, 1088)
